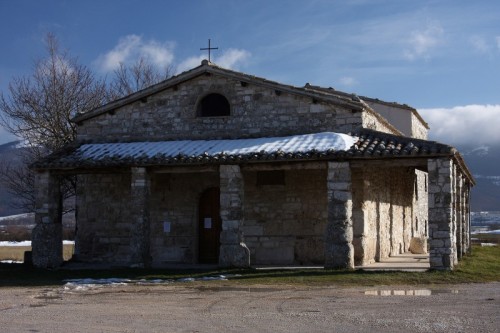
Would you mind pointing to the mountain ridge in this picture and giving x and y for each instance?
(483, 160)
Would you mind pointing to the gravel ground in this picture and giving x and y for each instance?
(203, 308)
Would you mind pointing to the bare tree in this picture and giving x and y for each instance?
(19, 182)
(137, 76)
(38, 110)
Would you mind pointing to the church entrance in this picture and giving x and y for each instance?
(209, 226)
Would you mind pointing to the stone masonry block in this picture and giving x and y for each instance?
(230, 224)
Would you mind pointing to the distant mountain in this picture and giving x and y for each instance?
(10, 154)
(482, 160)
(484, 163)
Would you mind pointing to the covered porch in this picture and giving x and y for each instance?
(350, 208)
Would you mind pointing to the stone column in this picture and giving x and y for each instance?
(454, 216)
(233, 251)
(467, 217)
(458, 213)
(463, 200)
(47, 234)
(139, 200)
(339, 251)
(441, 231)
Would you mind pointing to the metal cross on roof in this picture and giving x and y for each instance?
(209, 49)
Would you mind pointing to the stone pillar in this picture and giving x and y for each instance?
(339, 251)
(139, 200)
(458, 213)
(47, 234)
(465, 230)
(441, 231)
(454, 216)
(233, 251)
(467, 217)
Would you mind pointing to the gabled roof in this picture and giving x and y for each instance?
(348, 101)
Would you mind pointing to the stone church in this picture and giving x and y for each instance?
(214, 166)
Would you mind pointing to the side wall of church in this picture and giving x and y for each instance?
(255, 111)
(285, 224)
(174, 200)
(403, 118)
(383, 213)
(104, 227)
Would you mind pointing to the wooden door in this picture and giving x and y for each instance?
(209, 226)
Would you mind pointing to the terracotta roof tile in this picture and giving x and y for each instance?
(364, 144)
(377, 144)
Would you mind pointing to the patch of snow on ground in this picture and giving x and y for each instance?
(11, 262)
(89, 284)
(28, 243)
(16, 217)
(482, 231)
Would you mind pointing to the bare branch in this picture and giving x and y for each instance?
(138, 76)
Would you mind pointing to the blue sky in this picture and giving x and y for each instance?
(441, 57)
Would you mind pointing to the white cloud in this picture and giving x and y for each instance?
(423, 41)
(132, 47)
(474, 124)
(348, 81)
(231, 58)
(480, 45)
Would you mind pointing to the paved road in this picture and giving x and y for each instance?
(203, 308)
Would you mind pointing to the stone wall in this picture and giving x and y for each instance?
(285, 224)
(418, 129)
(175, 200)
(339, 250)
(402, 117)
(104, 225)
(448, 213)
(282, 224)
(373, 121)
(255, 111)
(442, 224)
(47, 234)
(383, 219)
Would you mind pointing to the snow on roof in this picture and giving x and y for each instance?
(291, 144)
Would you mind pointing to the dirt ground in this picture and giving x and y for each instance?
(214, 308)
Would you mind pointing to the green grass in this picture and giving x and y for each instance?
(483, 265)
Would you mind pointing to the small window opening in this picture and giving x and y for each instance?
(275, 177)
(213, 105)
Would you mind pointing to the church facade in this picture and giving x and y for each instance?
(220, 167)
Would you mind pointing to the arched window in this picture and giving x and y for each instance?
(213, 105)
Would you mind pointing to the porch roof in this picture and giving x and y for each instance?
(197, 151)
(361, 144)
